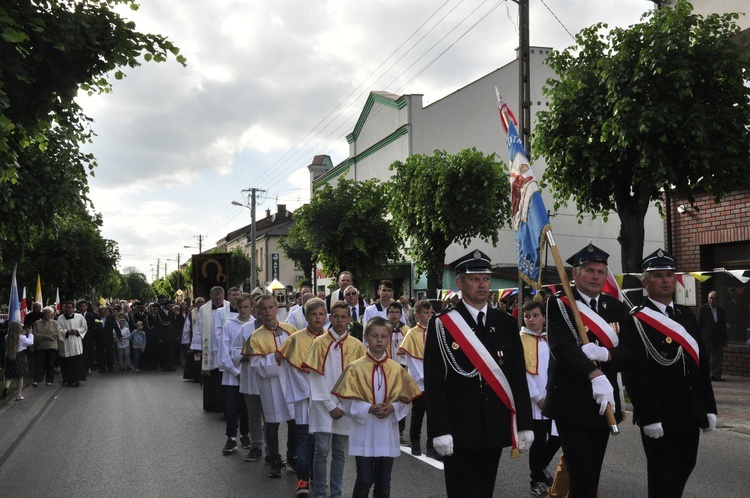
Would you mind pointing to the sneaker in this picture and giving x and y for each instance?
(254, 454)
(538, 489)
(416, 449)
(432, 453)
(303, 487)
(548, 478)
(291, 463)
(230, 447)
(275, 471)
(34, 384)
(20, 398)
(403, 441)
(48, 384)
(245, 442)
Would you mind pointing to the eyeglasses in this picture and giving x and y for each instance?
(350, 294)
(394, 312)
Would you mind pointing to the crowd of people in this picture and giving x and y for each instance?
(340, 375)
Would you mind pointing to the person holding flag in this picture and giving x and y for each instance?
(579, 391)
(475, 383)
(669, 384)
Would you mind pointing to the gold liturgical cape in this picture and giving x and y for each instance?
(296, 346)
(531, 351)
(351, 349)
(357, 381)
(264, 341)
(413, 343)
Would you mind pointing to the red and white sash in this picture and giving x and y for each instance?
(481, 359)
(670, 328)
(596, 324)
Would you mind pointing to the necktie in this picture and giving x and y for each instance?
(670, 312)
(480, 320)
(593, 305)
(354, 313)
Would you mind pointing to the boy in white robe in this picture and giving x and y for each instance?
(328, 356)
(536, 355)
(375, 392)
(228, 360)
(293, 352)
(264, 343)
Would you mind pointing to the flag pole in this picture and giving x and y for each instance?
(582, 331)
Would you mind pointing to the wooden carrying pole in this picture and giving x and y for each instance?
(582, 331)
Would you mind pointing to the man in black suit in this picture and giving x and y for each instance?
(468, 419)
(105, 340)
(89, 343)
(669, 383)
(712, 321)
(579, 390)
(356, 308)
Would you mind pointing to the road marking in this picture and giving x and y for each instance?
(429, 461)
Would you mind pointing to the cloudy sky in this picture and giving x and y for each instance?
(267, 86)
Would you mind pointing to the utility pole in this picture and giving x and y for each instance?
(254, 269)
(200, 243)
(524, 99)
(524, 75)
(158, 264)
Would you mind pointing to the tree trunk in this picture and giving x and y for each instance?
(632, 233)
(435, 273)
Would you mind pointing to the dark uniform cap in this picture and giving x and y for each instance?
(474, 262)
(588, 254)
(658, 260)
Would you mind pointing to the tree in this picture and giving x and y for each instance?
(51, 181)
(441, 199)
(50, 50)
(133, 283)
(242, 267)
(294, 248)
(74, 256)
(345, 228)
(634, 111)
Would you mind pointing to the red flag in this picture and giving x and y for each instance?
(57, 300)
(24, 305)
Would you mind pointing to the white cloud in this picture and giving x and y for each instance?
(176, 145)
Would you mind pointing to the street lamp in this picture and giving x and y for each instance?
(253, 277)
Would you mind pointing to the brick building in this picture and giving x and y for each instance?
(712, 236)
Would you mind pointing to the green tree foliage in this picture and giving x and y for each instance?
(134, 283)
(633, 111)
(48, 51)
(295, 248)
(53, 180)
(242, 268)
(345, 228)
(441, 199)
(73, 257)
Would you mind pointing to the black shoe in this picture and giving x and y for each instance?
(276, 468)
(76, 384)
(245, 442)
(254, 454)
(548, 478)
(538, 489)
(432, 453)
(416, 449)
(230, 447)
(291, 463)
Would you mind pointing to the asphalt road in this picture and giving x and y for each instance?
(128, 434)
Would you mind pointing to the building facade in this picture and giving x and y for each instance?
(392, 127)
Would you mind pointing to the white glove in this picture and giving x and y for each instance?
(443, 444)
(654, 431)
(595, 352)
(603, 393)
(525, 438)
(711, 422)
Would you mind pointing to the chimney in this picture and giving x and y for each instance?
(281, 210)
(268, 213)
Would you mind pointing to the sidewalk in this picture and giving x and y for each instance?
(733, 404)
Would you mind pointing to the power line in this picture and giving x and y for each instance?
(558, 20)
